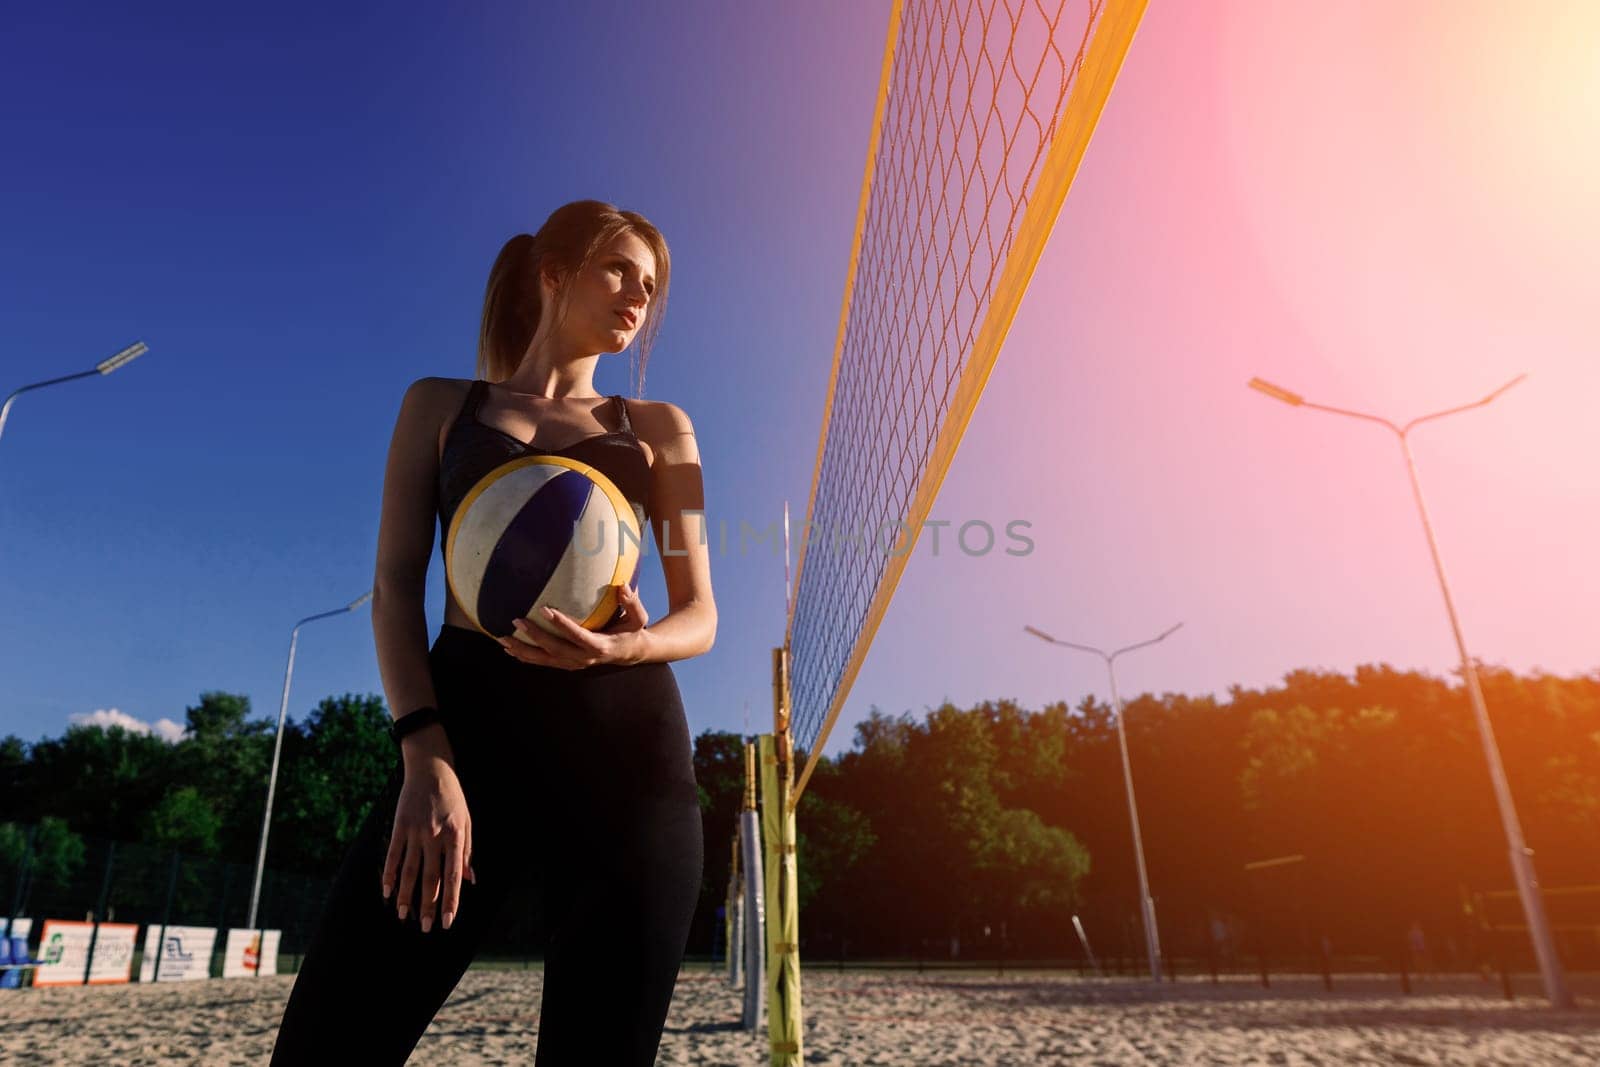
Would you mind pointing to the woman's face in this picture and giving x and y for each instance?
(611, 296)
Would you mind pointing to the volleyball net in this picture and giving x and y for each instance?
(983, 113)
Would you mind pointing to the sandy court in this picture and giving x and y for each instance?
(873, 1018)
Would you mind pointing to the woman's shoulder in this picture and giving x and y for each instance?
(430, 406)
(439, 388)
(665, 427)
(436, 398)
(660, 413)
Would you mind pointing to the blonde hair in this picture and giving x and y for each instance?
(567, 242)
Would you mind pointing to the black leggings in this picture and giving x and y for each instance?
(583, 780)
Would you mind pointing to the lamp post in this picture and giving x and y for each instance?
(1555, 981)
(277, 747)
(1147, 904)
(105, 366)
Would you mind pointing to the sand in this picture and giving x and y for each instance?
(874, 1018)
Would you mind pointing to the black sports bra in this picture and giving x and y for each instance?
(473, 448)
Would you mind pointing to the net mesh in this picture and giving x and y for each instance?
(974, 96)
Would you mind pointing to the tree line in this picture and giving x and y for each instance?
(981, 831)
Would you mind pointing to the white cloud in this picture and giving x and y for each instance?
(169, 731)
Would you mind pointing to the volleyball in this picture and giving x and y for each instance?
(541, 531)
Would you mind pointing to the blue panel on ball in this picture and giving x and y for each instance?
(529, 551)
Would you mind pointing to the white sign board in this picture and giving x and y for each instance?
(21, 926)
(64, 948)
(113, 953)
(247, 950)
(185, 953)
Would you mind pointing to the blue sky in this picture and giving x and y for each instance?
(296, 208)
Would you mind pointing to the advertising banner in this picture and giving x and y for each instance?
(185, 953)
(64, 948)
(21, 926)
(113, 953)
(248, 950)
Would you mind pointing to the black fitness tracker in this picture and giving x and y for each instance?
(413, 721)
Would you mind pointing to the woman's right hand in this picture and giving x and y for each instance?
(432, 834)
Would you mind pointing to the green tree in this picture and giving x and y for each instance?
(225, 755)
(184, 820)
(334, 766)
(57, 854)
(831, 837)
(1026, 866)
(931, 849)
(99, 780)
(719, 777)
(13, 773)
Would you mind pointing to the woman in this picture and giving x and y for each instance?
(562, 759)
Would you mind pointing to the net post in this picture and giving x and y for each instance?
(731, 929)
(750, 776)
(784, 1019)
(755, 907)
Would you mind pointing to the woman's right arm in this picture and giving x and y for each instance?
(432, 834)
(405, 544)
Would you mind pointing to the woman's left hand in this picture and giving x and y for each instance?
(580, 648)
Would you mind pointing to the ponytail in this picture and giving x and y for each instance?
(510, 309)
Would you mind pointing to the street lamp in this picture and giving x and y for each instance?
(1147, 905)
(105, 366)
(277, 747)
(1555, 981)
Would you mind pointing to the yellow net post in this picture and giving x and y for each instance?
(782, 878)
(750, 777)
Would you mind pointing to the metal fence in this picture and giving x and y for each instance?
(100, 880)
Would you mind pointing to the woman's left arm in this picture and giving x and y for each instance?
(677, 507)
(689, 628)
